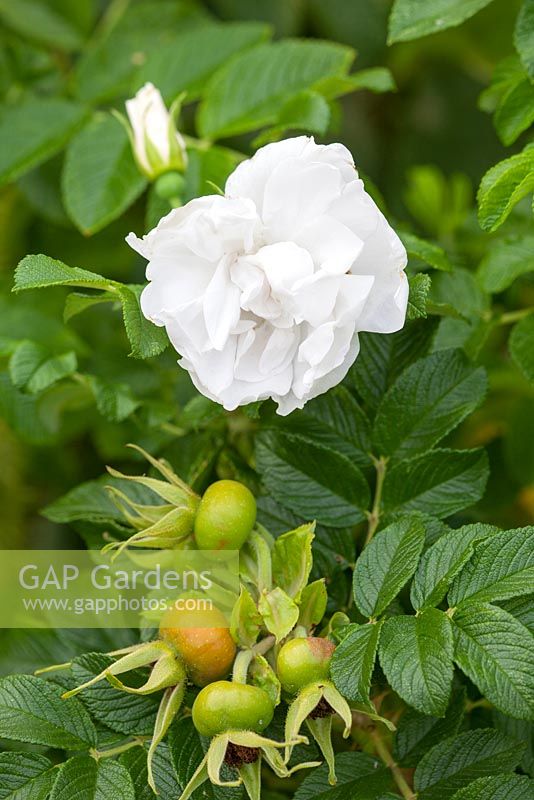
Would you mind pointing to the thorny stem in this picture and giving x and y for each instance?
(383, 752)
(138, 741)
(373, 517)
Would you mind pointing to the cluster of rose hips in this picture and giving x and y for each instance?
(269, 662)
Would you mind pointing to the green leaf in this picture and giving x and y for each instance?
(419, 288)
(496, 652)
(187, 61)
(521, 730)
(40, 23)
(106, 69)
(114, 401)
(505, 262)
(279, 611)
(77, 302)
(100, 178)
(386, 564)
(248, 92)
(425, 251)
(359, 777)
(32, 369)
(383, 358)
(503, 186)
(417, 733)
(31, 710)
(442, 562)
(501, 567)
(464, 758)
(292, 560)
(445, 481)
(307, 111)
(428, 401)
(498, 787)
(522, 608)
(515, 112)
(33, 131)
(208, 167)
(135, 761)
(246, 621)
(411, 19)
(336, 421)
(311, 480)
(25, 776)
(87, 779)
(416, 656)
(129, 714)
(521, 345)
(353, 661)
(146, 339)
(524, 36)
(37, 271)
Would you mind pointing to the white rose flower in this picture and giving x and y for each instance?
(263, 291)
(157, 145)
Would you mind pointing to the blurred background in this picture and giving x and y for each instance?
(424, 148)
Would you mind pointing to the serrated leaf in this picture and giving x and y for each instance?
(359, 777)
(383, 358)
(428, 401)
(515, 111)
(386, 564)
(336, 421)
(411, 19)
(85, 778)
(498, 787)
(417, 300)
(247, 93)
(135, 761)
(31, 710)
(524, 35)
(124, 713)
(425, 251)
(521, 345)
(519, 729)
(505, 262)
(146, 339)
(38, 271)
(501, 567)
(522, 608)
(311, 480)
(496, 652)
(100, 178)
(417, 733)
(187, 61)
(245, 624)
(445, 481)
(114, 401)
(416, 656)
(25, 776)
(443, 561)
(33, 131)
(464, 758)
(353, 661)
(503, 186)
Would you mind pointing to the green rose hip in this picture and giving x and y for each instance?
(224, 706)
(304, 661)
(225, 516)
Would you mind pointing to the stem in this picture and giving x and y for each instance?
(514, 316)
(383, 752)
(264, 645)
(121, 748)
(241, 665)
(374, 515)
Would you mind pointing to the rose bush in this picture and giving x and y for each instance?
(263, 291)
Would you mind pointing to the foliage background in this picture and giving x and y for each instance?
(70, 398)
